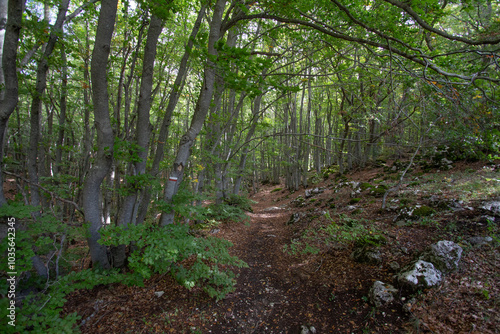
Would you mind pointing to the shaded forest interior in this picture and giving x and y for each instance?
(128, 128)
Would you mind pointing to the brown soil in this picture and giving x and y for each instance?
(280, 292)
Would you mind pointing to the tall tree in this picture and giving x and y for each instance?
(36, 104)
(105, 137)
(200, 113)
(9, 93)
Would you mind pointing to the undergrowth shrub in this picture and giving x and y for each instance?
(344, 230)
(41, 312)
(192, 261)
(39, 300)
(242, 202)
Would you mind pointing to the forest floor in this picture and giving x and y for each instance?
(325, 290)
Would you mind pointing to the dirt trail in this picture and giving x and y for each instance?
(260, 291)
(279, 293)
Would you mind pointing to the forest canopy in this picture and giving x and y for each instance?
(134, 119)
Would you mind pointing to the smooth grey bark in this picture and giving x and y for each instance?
(3, 24)
(172, 103)
(144, 127)
(62, 113)
(88, 134)
(36, 104)
(215, 132)
(244, 154)
(128, 210)
(10, 92)
(200, 113)
(105, 136)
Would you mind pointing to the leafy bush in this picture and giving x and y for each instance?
(241, 202)
(225, 213)
(190, 260)
(40, 312)
(346, 231)
(349, 231)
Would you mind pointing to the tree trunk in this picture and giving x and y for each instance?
(105, 137)
(36, 104)
(10, 92)
(4, 7)
(200, 113)
(244, 154)
(128, 212)
(172, 103)
(62, 115)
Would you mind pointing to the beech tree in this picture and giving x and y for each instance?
(105, 138)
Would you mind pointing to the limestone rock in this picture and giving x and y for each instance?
(312, 192)
(159, 293)
(479, 241)
(394, 266)
(295, 218)
(299, 201)
(304, 329)
(444, 255)
(420, 274)
(366, 255)
(381, 293)
(493, 207)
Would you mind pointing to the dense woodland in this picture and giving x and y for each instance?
(126, 123)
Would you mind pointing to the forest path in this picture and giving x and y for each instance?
(273, 295)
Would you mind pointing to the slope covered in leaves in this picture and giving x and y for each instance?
(301, 273)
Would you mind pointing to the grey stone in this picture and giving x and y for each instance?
(408, 306)
(351, 208)
(366, 255)
(304, 329)
(272, 208)
(299, 201)
(314, 191)
(445, 255)
(159, 293)
(381, 294)
(420, 274)
(394, 266)
(486, 220)
(295, 218)
(493, 207)
(479, 241)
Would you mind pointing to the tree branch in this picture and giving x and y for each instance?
(51, 193)
(428, 27)
(419, 59)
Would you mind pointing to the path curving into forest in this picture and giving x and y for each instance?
(280, 293)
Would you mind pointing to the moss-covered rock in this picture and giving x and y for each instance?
(327, 171)
(276, 190)
(379, 190)
(299, 201)
(354, 200)
(423, 211)
(365, 185)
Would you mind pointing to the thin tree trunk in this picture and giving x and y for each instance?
(172, 103)
(105, 137)
(128, 212)
(201, 110)
(36, 105)
(62, 114)
(4, 7)
(244, 154)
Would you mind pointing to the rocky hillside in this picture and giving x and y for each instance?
(330, 259)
